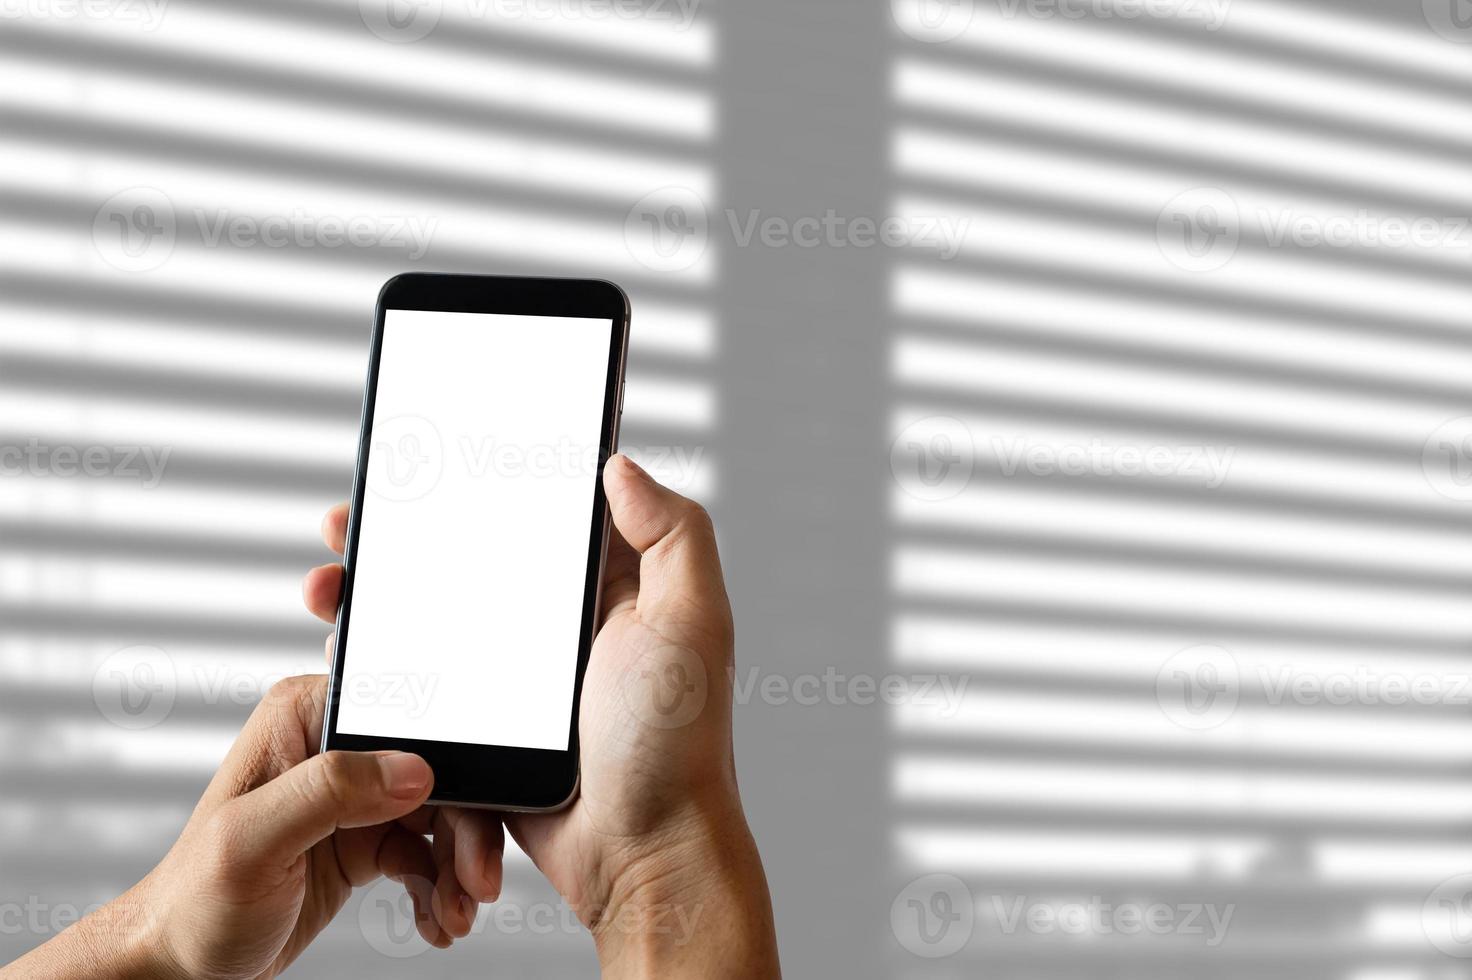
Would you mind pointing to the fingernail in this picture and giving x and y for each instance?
(405, 776)
(631, 467)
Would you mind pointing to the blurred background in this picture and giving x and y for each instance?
(1080, 388)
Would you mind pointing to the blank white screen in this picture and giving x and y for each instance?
(473, 542)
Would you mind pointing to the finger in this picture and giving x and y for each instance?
(331, 648)
(679, 571)
(453, 908)
(405, 857)
(283, 731)
(420, 822)
(620, 575)
(480, 843)
(335, 528)
(274, 825)
(320, 591)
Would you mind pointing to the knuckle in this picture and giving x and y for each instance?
(224, 842)
(288, 692)
(332, 777)
(697, 517)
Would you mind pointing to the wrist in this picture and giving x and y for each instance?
(691, 901)
(118, 941)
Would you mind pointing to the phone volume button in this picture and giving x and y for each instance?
(620, 398)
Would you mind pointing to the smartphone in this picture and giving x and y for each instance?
(478, 530)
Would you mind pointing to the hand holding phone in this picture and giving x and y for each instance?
(654, 853)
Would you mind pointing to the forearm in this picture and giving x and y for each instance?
(700, 910)
(115, 942)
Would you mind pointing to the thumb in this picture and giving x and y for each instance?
(679, 568)
(280, 821)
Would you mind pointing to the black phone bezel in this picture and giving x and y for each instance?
(492, 776)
